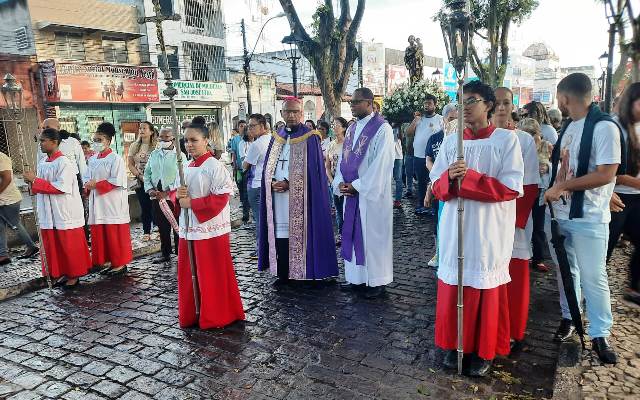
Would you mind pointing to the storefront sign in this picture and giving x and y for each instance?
(99, 83)
(199, 91)
(161, 117)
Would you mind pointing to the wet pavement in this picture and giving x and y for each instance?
(119, 338)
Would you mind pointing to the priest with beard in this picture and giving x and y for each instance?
(296, 240)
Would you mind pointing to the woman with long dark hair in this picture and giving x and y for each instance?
(625, 202)
(139, 152)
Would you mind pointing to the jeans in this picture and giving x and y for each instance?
(627, 221)
(397, 177)
(422, 176)
(408, 169)
(244, 199)
(145, 208)
(586, 246)
(339, 202)
(10, 216)
(164, 228)
(538, 237)
(253, 195)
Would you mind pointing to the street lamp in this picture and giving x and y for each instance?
(436, 73)
(603, 77)
(247, 57)
(455, 31)
(12, 95)
(291, 50)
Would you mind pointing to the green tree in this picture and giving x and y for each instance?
(492, 21)
(330, 48)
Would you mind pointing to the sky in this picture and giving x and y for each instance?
(575, 29)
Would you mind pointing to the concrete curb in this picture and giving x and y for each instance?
(566, 385)
(41, 282)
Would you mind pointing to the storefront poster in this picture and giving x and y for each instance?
(99, 83)
(161, 117)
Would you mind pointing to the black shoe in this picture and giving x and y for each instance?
(119, 272)
(6, 261)
(29, 253)
(161, 260)
(565, 331)
(479, 367)
(374, 292)
(281, 282)
(59, 282)
(105, 271)
(605, 352)
(67, 287)
(450, 360)
(633, 297)
(517, 346)
(346, 286)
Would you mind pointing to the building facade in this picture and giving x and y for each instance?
(196, 49)
(94, 65)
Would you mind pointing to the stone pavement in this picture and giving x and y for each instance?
(622, 381)
(119, 338)
(25, 275)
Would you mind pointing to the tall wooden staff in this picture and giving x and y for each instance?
(12, 93)
(171, 92)
(455, 29)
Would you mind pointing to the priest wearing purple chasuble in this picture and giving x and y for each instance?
(296, 239)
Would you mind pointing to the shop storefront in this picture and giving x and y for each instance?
(85, 95)
(206, 99)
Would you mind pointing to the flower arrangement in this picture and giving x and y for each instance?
(406, 99)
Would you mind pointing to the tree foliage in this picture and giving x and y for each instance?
(628, 30)
(330, 47)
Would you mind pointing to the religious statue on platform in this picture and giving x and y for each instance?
(414, 59)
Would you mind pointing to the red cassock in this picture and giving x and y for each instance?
(66, 250)
(518, 289)
(110, 242)
(486, 311)
(220, 302)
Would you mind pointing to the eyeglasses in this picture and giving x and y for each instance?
(253, 125)
(471, 101)
(290, 112)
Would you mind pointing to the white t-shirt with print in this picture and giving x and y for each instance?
(605, 150)
(424, 129)
(255, 156)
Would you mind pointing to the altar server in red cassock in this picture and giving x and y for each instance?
(60, 213)
(492, 174)
(518, 288)
(106, 183)
(206, 200)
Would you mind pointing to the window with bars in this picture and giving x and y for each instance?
(204, 62)
(70, 46)
(203, 17)
(172, 57)
(115, 50)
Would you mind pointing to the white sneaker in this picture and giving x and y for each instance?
(434, 261)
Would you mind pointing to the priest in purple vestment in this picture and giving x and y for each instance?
(296, 238)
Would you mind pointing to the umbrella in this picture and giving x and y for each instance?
(557, 239)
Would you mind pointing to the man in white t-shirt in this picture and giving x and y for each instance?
(254, 160)
(580, 195)
(424, 125)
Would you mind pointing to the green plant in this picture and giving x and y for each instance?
(406, 99)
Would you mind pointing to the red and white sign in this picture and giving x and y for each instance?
(99, 83)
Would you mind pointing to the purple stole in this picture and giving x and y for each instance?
(352, 238)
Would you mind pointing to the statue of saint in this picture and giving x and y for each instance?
(414, 59)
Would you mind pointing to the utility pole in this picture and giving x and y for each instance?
(294, 73)
(246, 66)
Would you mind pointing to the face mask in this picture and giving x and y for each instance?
(97, 147)
(166, 145)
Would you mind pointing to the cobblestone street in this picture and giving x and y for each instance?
(119, 338)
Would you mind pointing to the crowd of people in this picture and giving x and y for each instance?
(310, 188)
